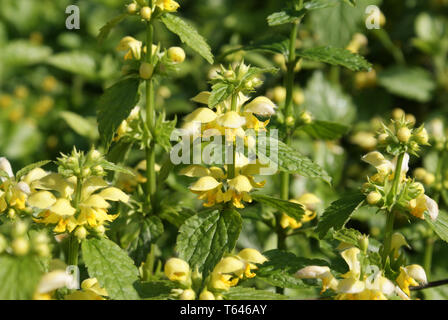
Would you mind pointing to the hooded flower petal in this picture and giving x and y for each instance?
(195, 170)
(261, 106)
(42, 199)
(201, 115)
(62, 207)
(114, 194)
(205, 184)
(231, 119)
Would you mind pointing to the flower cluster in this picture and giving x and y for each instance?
(233, 119)
(309, 201)
(226, 274)
(357, 284)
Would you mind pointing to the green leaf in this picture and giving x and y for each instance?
(242, 293)
(107, 28)
(28, 168)
(336, 57)
(115, 105)
(176, 215)
(204, 239)
(339, 212)
(19, 277)
(325, 130)
(294, 210)
(81, 125)
(350, 236)
(163, 131)
(285, 16)
(149, 230)
(113, 268)
(319, 4)
(157, 290)
(274, 44)
(281, 266)
(76, 62)
(289, 160)
(336, 26)
(328, 102)
(188, 35)
(23, 53)
(220, 92)
(409, 82)
(440, 226)
(116, 168)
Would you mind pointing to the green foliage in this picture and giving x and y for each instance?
(80, 125)
(339, 212)
(114, 106)
(19, 277)
(204, 238)
(241, 293)
(23, 53)
(294, 210)
(188, 35)
(325, 130)
(76, 62)
(155, 290)
(107, 28)
(440, 226)
(113, 268)
(22, 172)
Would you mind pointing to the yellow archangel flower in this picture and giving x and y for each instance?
(92, 205)
(231, 269)
(208, 187)
(412, 275)
(167, 5)
(90, 290)
(422, 204)
(177, 270)
(384, 167)
(50, 282)
(309, 201)
(14, 193)
(132, 46)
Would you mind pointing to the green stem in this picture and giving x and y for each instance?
(391, 214)
(231, 167)
(150, 151)
(73, 242)
(427, 259)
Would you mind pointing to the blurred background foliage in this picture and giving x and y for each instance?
(51, 79)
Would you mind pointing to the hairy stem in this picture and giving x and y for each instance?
(73, 242)
(391, 214)
(150, 150)
(231, 167)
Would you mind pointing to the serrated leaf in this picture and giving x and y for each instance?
(149, 230)
(188, 35)
(281, 266)
(325, 130)
(328, 102)
(220, 92)
(274, 44)
(339, 212)
(242, 293)
(204, 239)
(336, 57)
(28, 168)
(176, 215)
(285, 16)
(107, 28)
(409, 82)
(19, 277)
(114, 106)
(159, 290)
(76, 62)
(350, 236)
(80, 125)
(113, 268)
(116, 168)
(290, 160)
(440, 226)
(163, 131)
(319, 4)
(294, 210)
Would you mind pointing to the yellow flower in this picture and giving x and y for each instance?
(412, 275)
(226, 273)
(261, 106)
(132, 46)
(309, 201)
(423, 204)
(167, 5)
(397, 241)
(50, 282)
(208, 189)
(251, 256)
(90, 290)
(177, 270)
(318, 272)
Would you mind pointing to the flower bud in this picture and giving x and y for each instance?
(20, 246)
(81, 233)
(98, 170)
(404, 134)
(42, 249)
(279, 94)
(86, 172)
(206, 295)
(373, 197)
(289, 121)
(364, 243)
(422, 136)
(306, 117)
(397, 114)
(188, 295)
(419, 173)
(146, 70)
(146, 13)
(132, 8)
(429, 179)
(177, 270)
(11, 213)
(19, 229)
(100, 229)
(382, 138)
(298, 97)
(176, 54)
